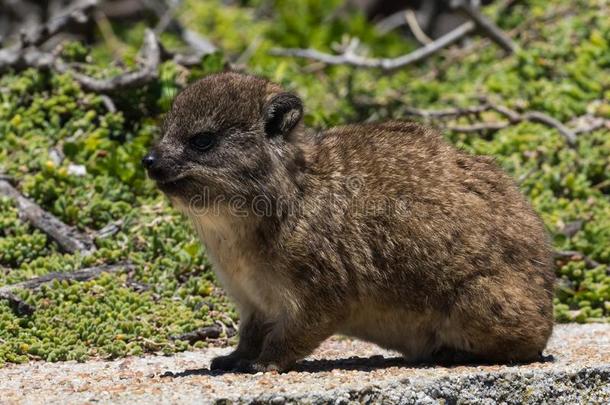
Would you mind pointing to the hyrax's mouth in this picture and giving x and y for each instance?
(177, 184)
(177, 179)
(172, 185)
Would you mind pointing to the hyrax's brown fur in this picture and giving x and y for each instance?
(384, 231)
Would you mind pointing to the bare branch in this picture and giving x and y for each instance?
(415, 28)
(80, 14)
(108, 103)
(208, 332)
(349, 57)
(400, 18)
(151, 57)
(486, 26)
(198, 45)
(391, 22)
(202, 46)
(22, 308)
(542, 118)
(589, 123)
(80, 275)
(18, 306)
(67, 237)
(572, 255)
(19, 58)
(26, 53)
(513, 117)
(447, 113)
(189, 59)
(167, 18)
(479, 127)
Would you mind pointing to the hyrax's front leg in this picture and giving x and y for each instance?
(252, 330)
(287, 342)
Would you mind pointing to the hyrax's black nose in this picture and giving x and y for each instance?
(149, 160)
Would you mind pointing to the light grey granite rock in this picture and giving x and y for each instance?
(342, 371)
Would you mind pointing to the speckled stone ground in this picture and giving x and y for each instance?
(341, 371)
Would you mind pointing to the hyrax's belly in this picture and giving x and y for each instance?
(412, 334)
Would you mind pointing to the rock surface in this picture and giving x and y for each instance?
(341, 371)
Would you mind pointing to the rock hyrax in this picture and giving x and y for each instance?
(384, 232)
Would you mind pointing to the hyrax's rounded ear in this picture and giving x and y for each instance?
(282, 113)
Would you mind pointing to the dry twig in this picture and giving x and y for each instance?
(151, 58)
(589, 123)
(572, 255)
(486, 26)
(400, 18)
(18, 306)
(416, 29)
(199, 46)
(85, 274)
(350, 57)
(67, 237)
(208, 332)
(80, 14)
(26, 52)
(513, 117)
(22, 308)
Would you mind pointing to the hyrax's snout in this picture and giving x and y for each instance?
(153, 165)
(149, 160)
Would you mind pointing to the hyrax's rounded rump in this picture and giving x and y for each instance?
(381, 231)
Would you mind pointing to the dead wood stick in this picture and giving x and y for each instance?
(26, 53)
(7, 178)
(18, 58)
(486, 26)
(512, 116)
(85, 274)
(17, 305)
(392, 22)
(571, 255)
(67, 237)
(22, 308)
(447, 112)
(589, 123)
(207, 332)
(542, 118)
(349, 57)
(80, 14)
(198, 45)
(415, 27)
(478, 127)
(151, 57)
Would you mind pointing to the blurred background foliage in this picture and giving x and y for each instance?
(49, 125)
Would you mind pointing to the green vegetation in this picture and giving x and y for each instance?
(562, 69)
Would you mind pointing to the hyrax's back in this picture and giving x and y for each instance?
(433, 249)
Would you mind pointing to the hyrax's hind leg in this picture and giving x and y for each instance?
(501, 321)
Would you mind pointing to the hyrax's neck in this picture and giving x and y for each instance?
(240, 251)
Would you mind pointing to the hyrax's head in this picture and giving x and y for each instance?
(226, 135)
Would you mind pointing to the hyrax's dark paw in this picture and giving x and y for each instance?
(225, 363)
(253, 366)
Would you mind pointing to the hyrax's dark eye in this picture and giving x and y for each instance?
(203, 141)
